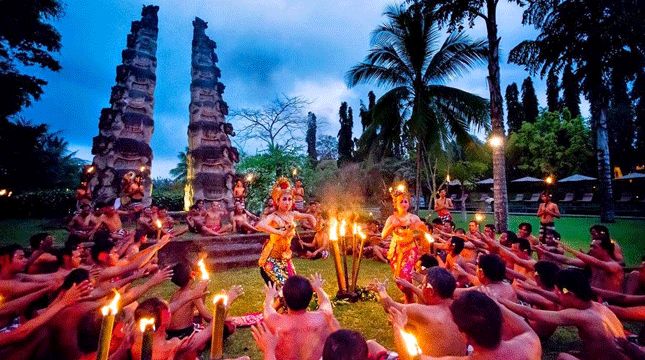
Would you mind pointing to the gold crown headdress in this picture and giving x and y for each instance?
(398, 190)
(281, 186)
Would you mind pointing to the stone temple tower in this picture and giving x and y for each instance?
(125, 128)
(211, 158)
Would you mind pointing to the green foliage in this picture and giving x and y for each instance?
(552, 92)
(327, 147)
(180, 172)
(33, 158)
(169, 198)
(26, 39)
(514, 111)
(529, 100)
(50, 203)
(311, 138)
(555, 144)
(345, 141)
(570, 91)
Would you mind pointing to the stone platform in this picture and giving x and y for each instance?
(223, 252)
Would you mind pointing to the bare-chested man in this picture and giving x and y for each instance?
(301, 333)
(491, 274)
(299, 196)
(243, 220)
(547, 212)
(213, 221)
(443, 205)
(597, 325)
(111, 220)
(524, 231)
(82, 223)
(432, 323)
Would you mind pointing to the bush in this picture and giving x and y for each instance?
(49, 203)
(171, 199)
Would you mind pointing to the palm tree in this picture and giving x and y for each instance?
(419, 109)
(598, 38)
(180, 172)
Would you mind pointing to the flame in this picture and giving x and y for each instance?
(144, 323)
(361, 234)
(549, 180)
(294, 172)
(3, 192)
(142, 168)
(90, 169)
(333, 229)
(158, 223)
(343, 228)
(429, 238)
(496, 141)
(202, 269)
(249, 177)
(400, 188)
(411, 344)
(221, 297)
(447, 178)
(355, 229)
(479, 217)
(113, 307)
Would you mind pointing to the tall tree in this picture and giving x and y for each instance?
(514, 110)
(278, 125)
(638, 94)
(180, 172)
(311, 138)
(570, 91)
(345, 142)
(327, 146)
(454, 13)
(552, 92)
(405, 57)
(366, 112)
(592, 35)
(26, 39)
(529, 100)
(620, 123)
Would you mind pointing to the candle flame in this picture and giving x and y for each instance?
(202, 269)
(220, 297)
(400, 188)
(411, 344)
(3, 192)
(158, 223)
(355, 229)
(343, 228)
(113, 307)
(90, 169)
(429, 238)
(549, 180)
(249, 177)
(142, 168)
(333, 229)
(144, 323)
(360, 232)
(447, 178)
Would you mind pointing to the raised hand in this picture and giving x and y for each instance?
(234, 292)
(264, 338)
(316, 281)
(162, 275)
(75, 293)
(270, 291)
(378, 286)
(404, 283)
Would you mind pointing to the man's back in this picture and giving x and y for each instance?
(437, 333)
(302, 336)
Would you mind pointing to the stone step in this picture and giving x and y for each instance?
(231, 249)
(231, 262)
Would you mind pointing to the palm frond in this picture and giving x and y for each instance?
(457, 55)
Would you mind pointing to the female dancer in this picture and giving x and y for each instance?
(405, 228)
(275, 259)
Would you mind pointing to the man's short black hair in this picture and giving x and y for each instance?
(437, 221)
(524, 245)
(345, 345)
(428, 261)
(575, 281)
(452, 223)
(36, 239)
(458, 244)
(181, 274)
(479, 317)
(442, 282)
(493, 267)
(490, 226)
(150, 308)
(526, 225)
(297, 292)
(602, 231)
(547, 271)
(75, 276)
(460, 231)
(102, 245)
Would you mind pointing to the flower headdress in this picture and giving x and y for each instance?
(399, 189)
(281, 186)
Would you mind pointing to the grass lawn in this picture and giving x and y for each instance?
(366, 317)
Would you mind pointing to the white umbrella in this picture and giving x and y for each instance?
(485, 182)
(527, 179)
(631, 176)
(576, 178)
(454, 182)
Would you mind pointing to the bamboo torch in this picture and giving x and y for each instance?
(352, 284)
(333, 238)
(105, 337)
(147, 327)
(343, 237)
(430, 241)
(202, 270)
(362, 237)
(217, 335)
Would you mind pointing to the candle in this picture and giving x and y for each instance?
(105, 336)
(333, 238)
(147, 327)
(217, 335)
(363, 237)
(343, 232)
(159, 226)
(202, 270)
(411, 344)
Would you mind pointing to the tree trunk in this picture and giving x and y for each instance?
(599, 108)
(500, 195)
(418, 179)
